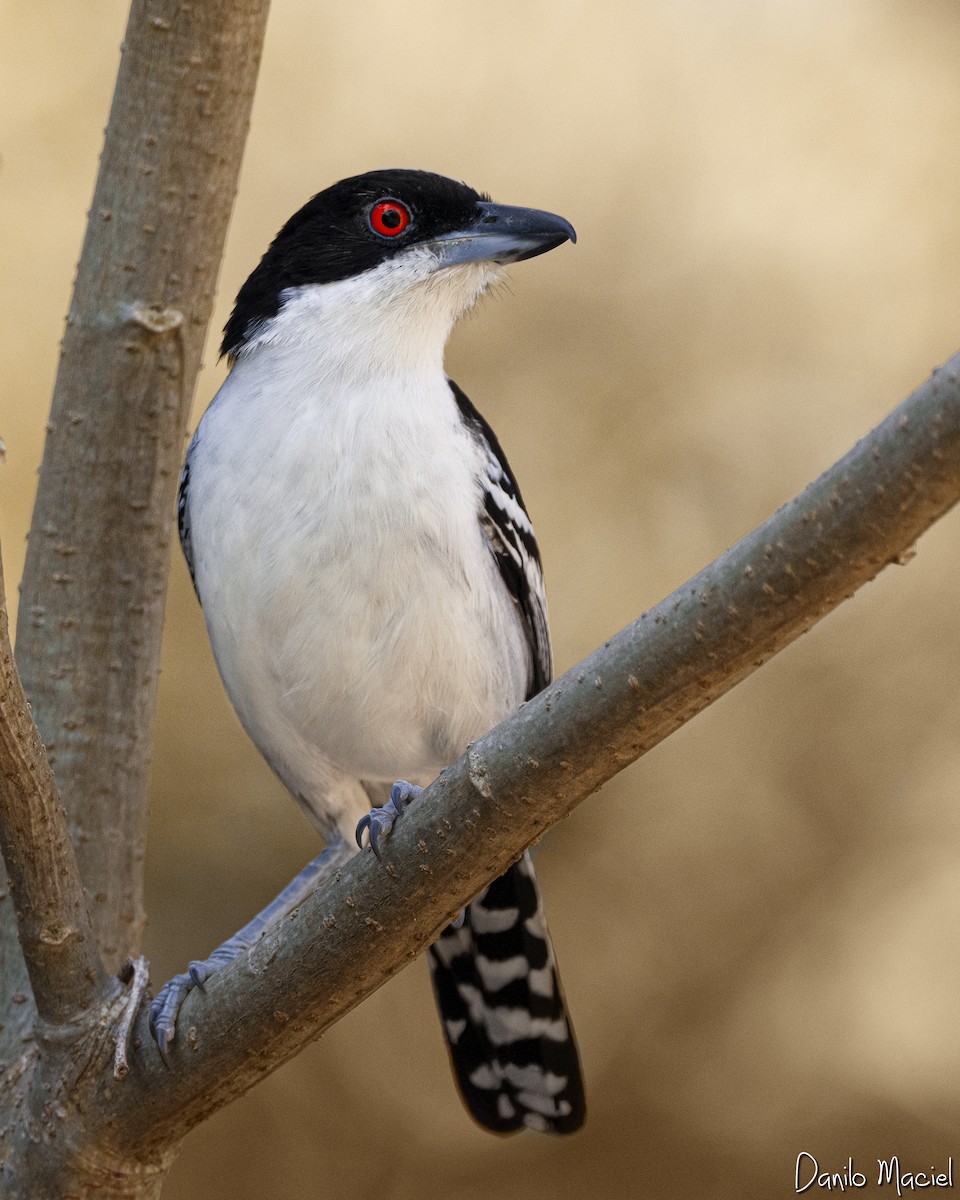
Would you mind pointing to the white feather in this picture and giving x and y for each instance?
(355, 611)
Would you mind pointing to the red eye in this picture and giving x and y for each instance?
(389, 218)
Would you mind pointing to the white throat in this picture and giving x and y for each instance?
(391, 320)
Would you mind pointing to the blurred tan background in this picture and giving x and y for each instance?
(759, 924)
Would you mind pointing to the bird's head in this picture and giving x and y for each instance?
(391, 255)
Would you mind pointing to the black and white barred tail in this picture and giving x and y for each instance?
(511, 1044)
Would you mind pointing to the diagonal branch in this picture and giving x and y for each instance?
(64, 968)
(865, 512)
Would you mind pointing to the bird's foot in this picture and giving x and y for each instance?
(166, 1006)
(379, 822)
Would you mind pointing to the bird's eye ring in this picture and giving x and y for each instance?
(389, 218)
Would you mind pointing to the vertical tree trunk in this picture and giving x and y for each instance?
(91, 613)
(94, 584)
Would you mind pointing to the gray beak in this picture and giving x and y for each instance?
(503, 234)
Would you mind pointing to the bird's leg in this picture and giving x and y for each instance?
(380, 821)
(166, 1006)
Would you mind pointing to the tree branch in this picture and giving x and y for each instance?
(94, 585)
(94, 588)
(362, 927)
(65, 971)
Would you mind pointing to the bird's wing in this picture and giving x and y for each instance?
(509, 533)
(183, 514)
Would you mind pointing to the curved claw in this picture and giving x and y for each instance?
(362, 824)
(161, 1040)
(377, 822)
(164, 1010)
(375, 830)
(159, 1035)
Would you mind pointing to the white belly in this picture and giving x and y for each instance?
(359, 627)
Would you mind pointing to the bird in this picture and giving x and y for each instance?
(372, 586)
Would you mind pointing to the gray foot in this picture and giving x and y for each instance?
(380, 821)
(164, 1010)
(166, 1006)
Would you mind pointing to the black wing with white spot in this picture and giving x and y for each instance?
(510, 535)
(495, 977)
(183, 516)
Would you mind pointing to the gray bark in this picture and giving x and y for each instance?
(65, 972)
(94, 582)
(94, 586)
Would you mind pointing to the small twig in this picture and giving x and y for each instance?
(137, 970)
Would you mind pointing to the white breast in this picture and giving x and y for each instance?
(355, 611)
